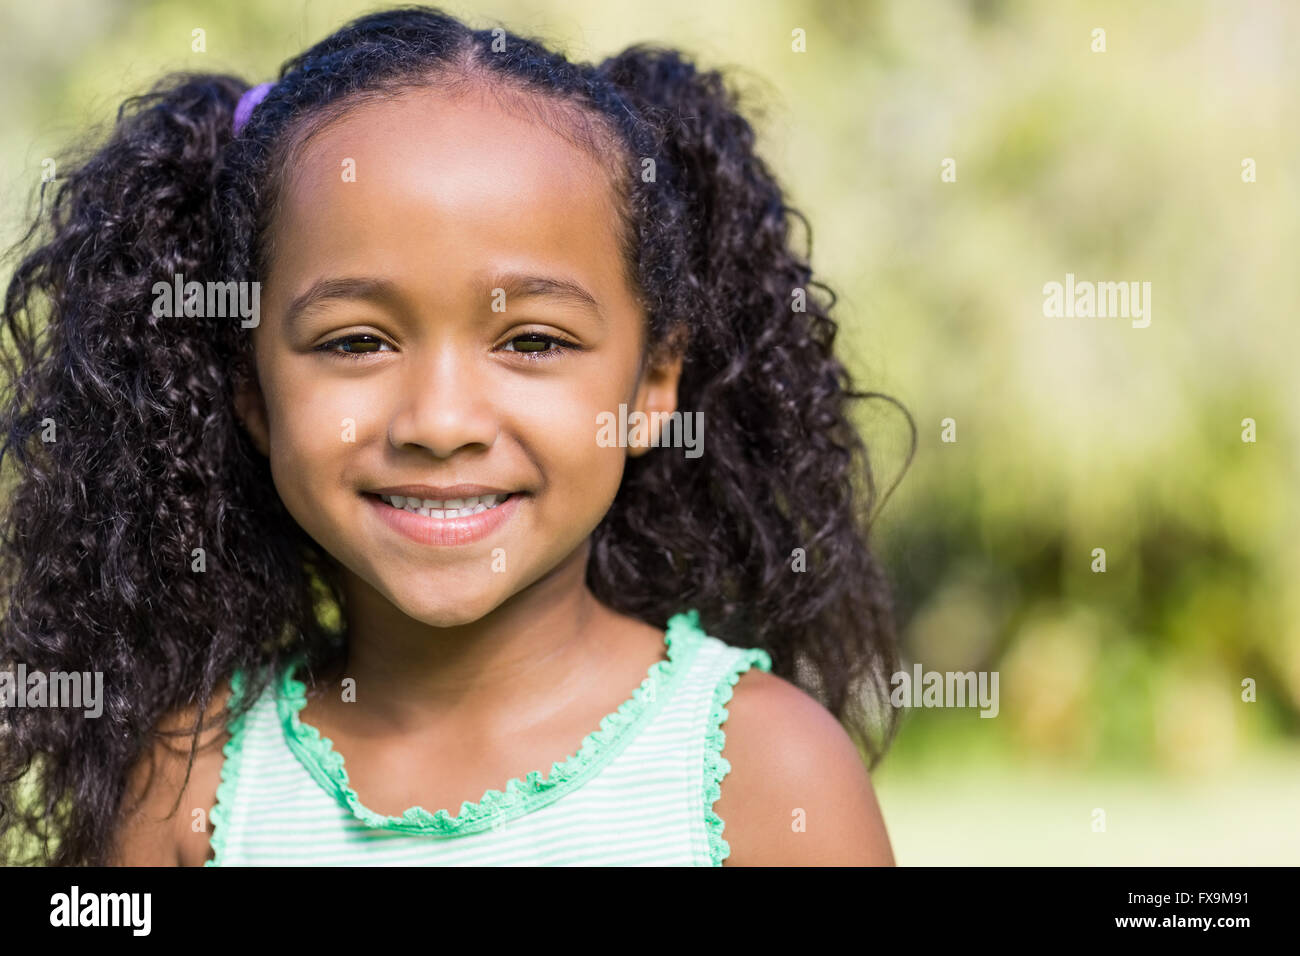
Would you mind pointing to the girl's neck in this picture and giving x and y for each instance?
(519, 662)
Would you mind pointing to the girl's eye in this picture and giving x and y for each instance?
(352, 346)
(533, 345)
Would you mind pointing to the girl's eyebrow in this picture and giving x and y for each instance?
(345, 287)
(515, 285)
(520, 285)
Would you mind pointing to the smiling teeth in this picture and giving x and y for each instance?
(451, 508)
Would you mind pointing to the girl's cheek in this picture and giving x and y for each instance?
(317, 425)
(569, 424)
(318, 396)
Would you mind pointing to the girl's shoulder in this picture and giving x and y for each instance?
(157, 829)
(796, 791)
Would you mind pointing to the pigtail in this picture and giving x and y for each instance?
(124, 509)
(768, 532)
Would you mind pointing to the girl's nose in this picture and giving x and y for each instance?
(444, 405)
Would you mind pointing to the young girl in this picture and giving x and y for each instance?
(383, 533)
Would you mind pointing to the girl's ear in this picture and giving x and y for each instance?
(657, 391)
(250, 407)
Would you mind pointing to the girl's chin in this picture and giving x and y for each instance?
(465, 610)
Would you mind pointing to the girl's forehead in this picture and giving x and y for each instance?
(472, 141)
(422, 181)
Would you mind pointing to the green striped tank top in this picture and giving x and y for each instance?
(639, 791)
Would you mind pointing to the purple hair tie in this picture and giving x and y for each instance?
(248, 102)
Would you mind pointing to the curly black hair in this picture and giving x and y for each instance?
(125, 454)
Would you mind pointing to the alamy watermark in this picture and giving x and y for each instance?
(946, 689)
(672, 429)
(1102, 300)
(181, 299)
(75, 908)
(77, 689)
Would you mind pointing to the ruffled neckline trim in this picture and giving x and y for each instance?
(682, 638)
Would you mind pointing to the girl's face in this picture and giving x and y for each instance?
(424, 251)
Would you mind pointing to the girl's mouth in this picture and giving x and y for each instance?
(456, 521)
(451, 508)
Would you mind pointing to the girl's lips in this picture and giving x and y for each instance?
(444, 532)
